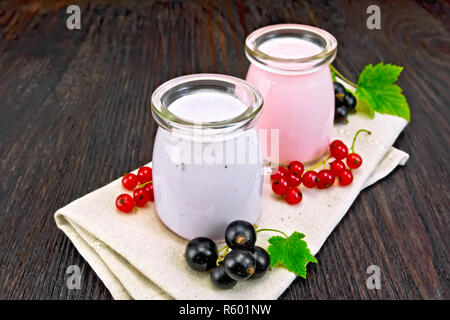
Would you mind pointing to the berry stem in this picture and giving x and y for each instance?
(222, 248)
(319, 164)
(274, 230)
(356, 135)
(144, 184)
(222, 255)
(342, 77)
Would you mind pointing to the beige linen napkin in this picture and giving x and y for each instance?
(137, 257)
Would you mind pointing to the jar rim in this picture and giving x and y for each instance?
(290, 65)
(223, 83)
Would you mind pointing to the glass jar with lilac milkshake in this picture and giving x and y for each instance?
(207, 164)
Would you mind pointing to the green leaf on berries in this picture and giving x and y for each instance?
(291, 253)
(377, 88)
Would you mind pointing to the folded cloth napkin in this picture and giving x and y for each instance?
(137, 257)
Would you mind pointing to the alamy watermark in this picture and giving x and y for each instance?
(74, 277)
(374, 20)
(374, 280)
(73, 22)
(200, 147)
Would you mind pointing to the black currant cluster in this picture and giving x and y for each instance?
(244, 261)
(345, 102)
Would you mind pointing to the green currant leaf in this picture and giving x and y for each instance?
(291, 253)
(377, 88)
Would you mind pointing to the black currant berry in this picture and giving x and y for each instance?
(339, 91)
(201, 254)
(240, 235)
(220, 278)
(262, 260)
(340, 114)
(349, 101)
(239, 264)
(338, 103)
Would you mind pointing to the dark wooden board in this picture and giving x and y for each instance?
(74, 116)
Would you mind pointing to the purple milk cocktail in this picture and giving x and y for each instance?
(207, 164)
(290, 67)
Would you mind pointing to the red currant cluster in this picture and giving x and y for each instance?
(285, 182)
(141, 195)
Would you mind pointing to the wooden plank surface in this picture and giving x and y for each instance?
(74, 115)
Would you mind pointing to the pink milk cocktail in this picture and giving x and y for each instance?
(290, 67)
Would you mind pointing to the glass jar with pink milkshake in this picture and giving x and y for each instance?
(290, 67)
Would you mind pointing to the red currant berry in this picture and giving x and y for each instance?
(354, 161)
(310, 179)
(345, 177)
(149, 189)
(125, 203)
(144, 175)
(335, 143)
(296, 166)
(326, 179)
(339, 152)
(293, 196)
(337, 166)
(279, 186)
(130, 181)
(293, 178)
(141, 197)
(278, 173)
